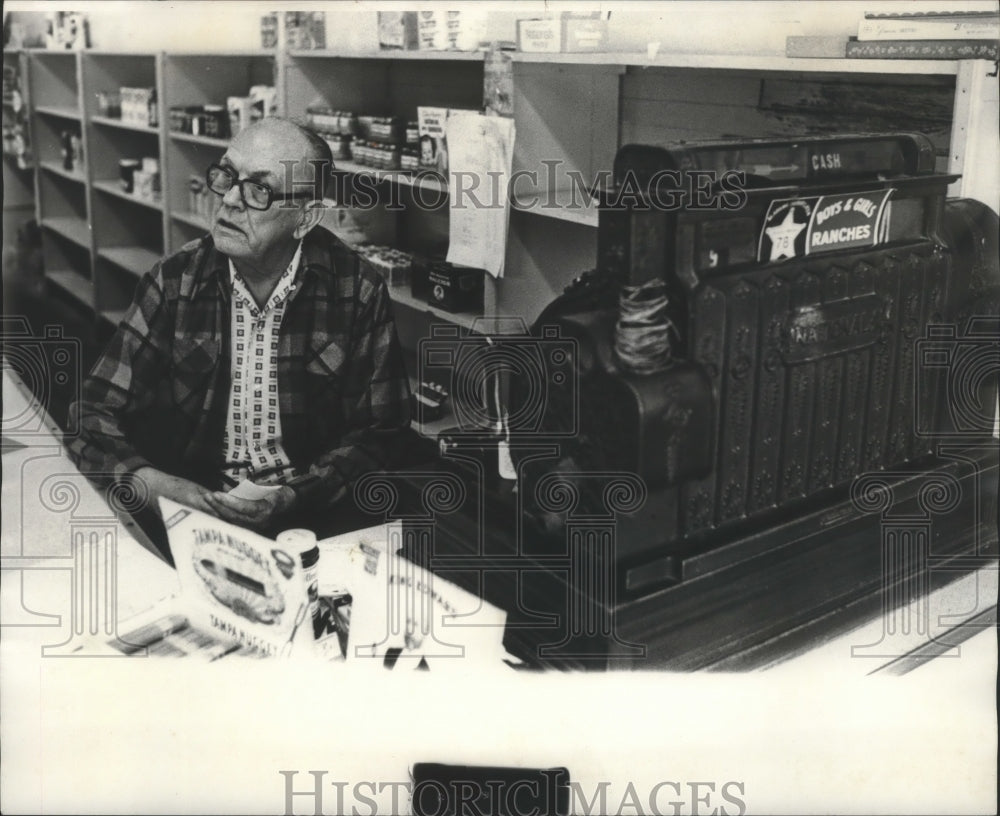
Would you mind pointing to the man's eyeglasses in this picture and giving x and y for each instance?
(256, 195)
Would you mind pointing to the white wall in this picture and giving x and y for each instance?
(744, 27)
(714, 26)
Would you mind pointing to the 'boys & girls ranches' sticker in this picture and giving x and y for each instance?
(795, 227)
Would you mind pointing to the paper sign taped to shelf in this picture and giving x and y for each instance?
(481, 151)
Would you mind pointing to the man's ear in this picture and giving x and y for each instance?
(310, 216)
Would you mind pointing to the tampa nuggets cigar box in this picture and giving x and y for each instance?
(241, 585)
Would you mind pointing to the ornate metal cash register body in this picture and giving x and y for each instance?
(808, 441)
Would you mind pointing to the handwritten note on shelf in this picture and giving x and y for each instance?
(481, 150)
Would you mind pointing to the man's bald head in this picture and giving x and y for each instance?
(293, 163)
(290, 144)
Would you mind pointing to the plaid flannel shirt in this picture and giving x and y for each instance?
(159, 393)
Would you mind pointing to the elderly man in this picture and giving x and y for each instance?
(259, 352)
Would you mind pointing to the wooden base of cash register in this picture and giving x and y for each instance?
(741, 601)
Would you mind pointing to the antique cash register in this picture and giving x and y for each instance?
(767, 413)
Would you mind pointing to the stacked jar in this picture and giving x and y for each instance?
(335, 127)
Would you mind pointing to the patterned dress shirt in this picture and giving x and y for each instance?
(253, 423)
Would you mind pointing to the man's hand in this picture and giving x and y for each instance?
(190, 494)
(251, 512)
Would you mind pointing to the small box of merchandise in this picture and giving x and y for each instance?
(392, 264)
(380, 155)
(567, 33)
(179, 118)
(339, 144)
(390, 129)
(539, 36)
(431, 132)
(146, 179)
(431, 135)
(450, 287)
(428, 401)
(109, 104)
(397, 29)
(305, 30)
(243, 111)
(409, 156)
(138, 106)
(202, 202)
(200, 120)
(328, 120)
(239, 110)
(212, 121)
(71, 144)
(269, 30)
(455, 29)
(264, 102)
(584, 33)
(67, 30)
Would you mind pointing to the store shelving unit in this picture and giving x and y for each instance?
(98, 238)
(395, 83)
(128, 230)
(18, 170)
(579, 108)
(62, 205)
(201, 79)
(571, 112)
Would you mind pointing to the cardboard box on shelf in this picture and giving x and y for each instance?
(239, 108)
(146, 185)
(568, 33)
(305, 30)
(397, 29)
(583, 34)
(67, 30)
(433, 145)
(456, 30)
(138, 106)
(539, 36)
(450, 287)
(357, 225)
(264, 99)
(392, 264)
(433, 150)
(269, 30)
